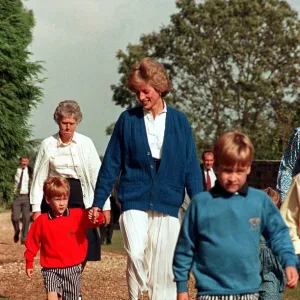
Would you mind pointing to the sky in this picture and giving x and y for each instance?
(78, 40)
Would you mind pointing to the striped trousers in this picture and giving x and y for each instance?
(149, 240)
(229, 297)
(65, 281)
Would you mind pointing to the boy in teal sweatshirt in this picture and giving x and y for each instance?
(220, 234)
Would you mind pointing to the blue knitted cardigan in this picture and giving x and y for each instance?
(128, 155)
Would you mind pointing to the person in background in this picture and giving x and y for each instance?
(290, 164)
(220, 234)
(153, 151)
(208, 174)
(208, 179)
(60, 234)
(107, 230)
(73, 156)
(290, 211)
(272, 273)
(21, 203)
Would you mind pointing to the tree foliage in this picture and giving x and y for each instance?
(19, 88)
(234, 66)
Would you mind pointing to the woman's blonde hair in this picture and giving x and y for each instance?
(233, 148)
(68, 108)
(151, 72)
(56, 187)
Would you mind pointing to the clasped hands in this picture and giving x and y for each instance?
(94, 215)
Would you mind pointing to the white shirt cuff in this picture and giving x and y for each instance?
(36, 207)
(106, 205)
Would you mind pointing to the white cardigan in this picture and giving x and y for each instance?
(87, 169)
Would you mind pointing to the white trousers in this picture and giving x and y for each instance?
(149, 240)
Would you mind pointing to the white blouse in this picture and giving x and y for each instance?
(155, 129)
(64, 161)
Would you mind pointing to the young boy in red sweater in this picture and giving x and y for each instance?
(60, 235)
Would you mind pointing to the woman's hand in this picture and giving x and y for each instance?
(106, 217)
(35, 215)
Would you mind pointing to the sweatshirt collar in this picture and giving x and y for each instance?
(219, 191)
(52, 216)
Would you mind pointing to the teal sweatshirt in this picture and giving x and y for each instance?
(219, 240)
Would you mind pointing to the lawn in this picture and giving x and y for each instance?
(117, 247)
(293, 294)
(117, 243)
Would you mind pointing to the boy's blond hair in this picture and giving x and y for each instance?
(56, 187)
(233, 148)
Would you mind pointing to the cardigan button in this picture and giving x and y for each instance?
(151, 167)
(148, 153)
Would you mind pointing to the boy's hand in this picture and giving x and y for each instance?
(29, 272)
(183, 296)
(93, 214)
(292, 277)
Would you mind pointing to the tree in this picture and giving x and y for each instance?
(234, 66)
(20, 88)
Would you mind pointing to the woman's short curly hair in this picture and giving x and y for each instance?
(151, 72)
(68, 108)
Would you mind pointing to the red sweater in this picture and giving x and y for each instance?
(62, 240)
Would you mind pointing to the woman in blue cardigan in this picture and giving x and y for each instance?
(153, 151)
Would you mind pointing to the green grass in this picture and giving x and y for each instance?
(116, 245)
(292, 294)
(3, 209)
